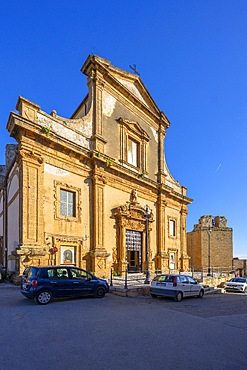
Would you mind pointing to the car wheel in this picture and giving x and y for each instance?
(100, 292)
(178, 297)
(43, 297)
(154, 295)
(201, 294)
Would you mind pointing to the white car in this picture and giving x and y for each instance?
(238, 284)
(176, 286)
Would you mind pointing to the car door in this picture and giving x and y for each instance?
(83, 283)
(184, 285)
(194, 287)
(61, 282)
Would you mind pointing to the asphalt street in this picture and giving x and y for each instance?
(123, 333)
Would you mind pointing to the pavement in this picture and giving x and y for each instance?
(115, 333)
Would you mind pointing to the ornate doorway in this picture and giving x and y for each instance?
(130, 250)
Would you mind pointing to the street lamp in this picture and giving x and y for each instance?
(147, 214)
(209, 251)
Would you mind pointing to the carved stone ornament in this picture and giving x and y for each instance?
(132, 212)
(99, 178)
(134, 196)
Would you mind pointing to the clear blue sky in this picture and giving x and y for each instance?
(191, 55)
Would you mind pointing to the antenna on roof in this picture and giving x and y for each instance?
(134, 69)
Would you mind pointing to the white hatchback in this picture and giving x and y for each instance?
(175, 286)
(238, 284)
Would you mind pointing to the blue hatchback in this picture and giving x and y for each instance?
(44, 283)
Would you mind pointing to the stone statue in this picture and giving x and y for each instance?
(133, 196)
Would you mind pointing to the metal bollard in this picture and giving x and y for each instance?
(111, 284)
(126, 280)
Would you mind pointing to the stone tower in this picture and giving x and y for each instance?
(210, 244)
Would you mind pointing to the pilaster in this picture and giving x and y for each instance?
(161, 154)
(31, 199)
(161, 255)
(98, 251)
(183, 239)
(96, 85)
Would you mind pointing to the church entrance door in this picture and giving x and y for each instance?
(134, 250)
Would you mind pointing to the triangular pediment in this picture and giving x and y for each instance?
(129, 84)
(135, 128)
(134, 87)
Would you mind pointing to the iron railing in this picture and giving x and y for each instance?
(127, 278)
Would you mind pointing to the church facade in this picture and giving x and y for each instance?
(93, 190)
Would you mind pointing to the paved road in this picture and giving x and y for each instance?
(123, 333)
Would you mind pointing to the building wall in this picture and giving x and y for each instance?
(13, 210)
(1, 213)
(56, 178)
(222, 247)
(1, 228)
(194, 249)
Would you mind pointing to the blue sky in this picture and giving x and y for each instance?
(191, 55)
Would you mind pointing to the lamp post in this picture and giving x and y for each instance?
(147, 214)
(209, 250)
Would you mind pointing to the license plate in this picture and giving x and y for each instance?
(161, 284)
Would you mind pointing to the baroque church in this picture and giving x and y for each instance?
(93, 190)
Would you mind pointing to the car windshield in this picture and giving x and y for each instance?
(164, 278)
(238, 280)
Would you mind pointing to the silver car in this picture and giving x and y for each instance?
(238, 284)
(175, 286)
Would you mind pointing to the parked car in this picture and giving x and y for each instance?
(44, 283)
(2, 273)
(175, 286)
(238, 284)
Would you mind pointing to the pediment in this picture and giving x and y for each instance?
(135, 87)
(135, 128)
(127, 83)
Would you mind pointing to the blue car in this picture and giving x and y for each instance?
(44, 283)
